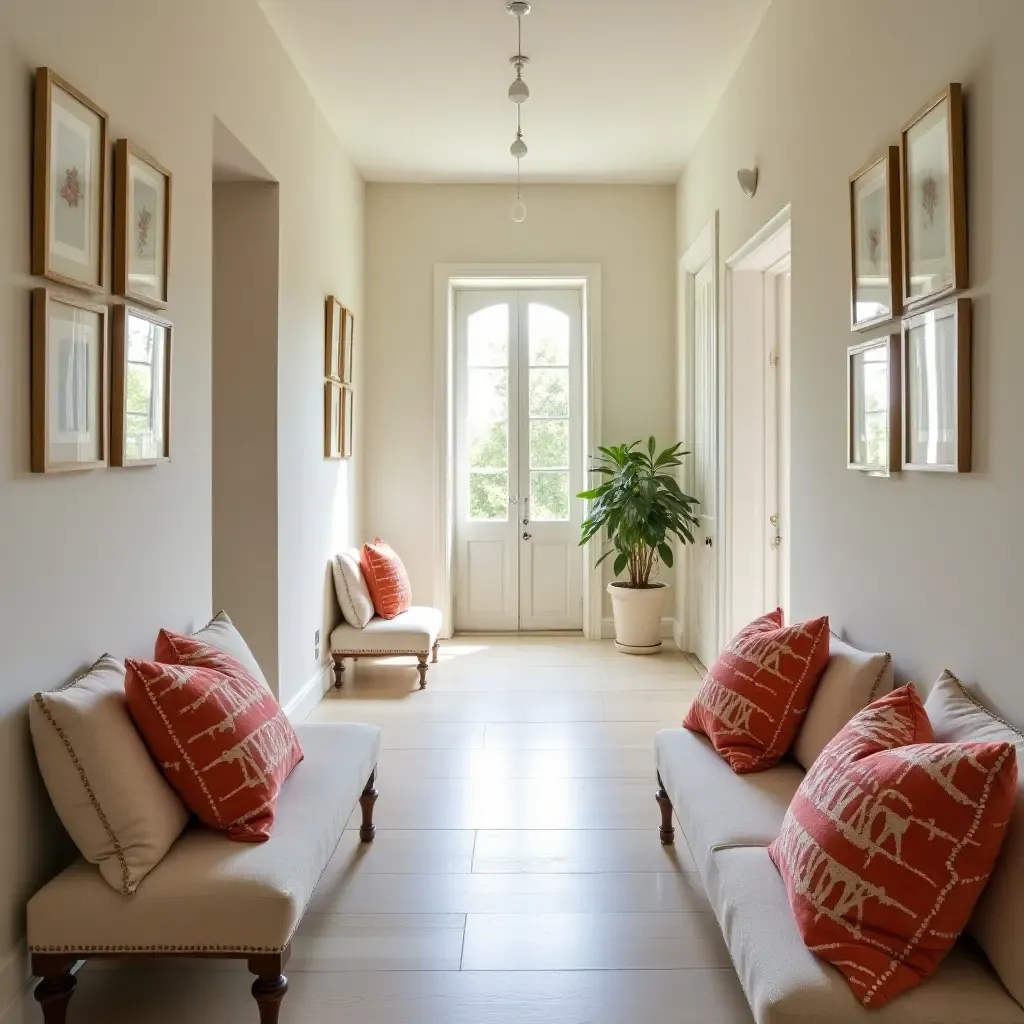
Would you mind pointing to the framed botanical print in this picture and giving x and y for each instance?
(873, 406)
(142, 225)
(332, 419)
(140, 387)
(347, 421)
(937, 389)
(334, 330)
(934, 201)
(347, 345)
(876, 292)
(69, 185)
(69, 383)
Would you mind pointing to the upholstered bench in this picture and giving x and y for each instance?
(413, 632)
(209, 896)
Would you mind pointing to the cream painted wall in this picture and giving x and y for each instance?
(929, 567)
(629, 230)
(100, 561)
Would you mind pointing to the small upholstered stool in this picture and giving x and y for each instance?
(413, 632)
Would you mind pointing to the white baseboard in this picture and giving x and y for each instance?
(14, 976)
(668, 628)
(300, 706)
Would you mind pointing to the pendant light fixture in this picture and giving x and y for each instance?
(518, 93)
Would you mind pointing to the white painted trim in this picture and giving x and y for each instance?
(301, 705)
(668, 628)
(447, 278)
(15, 976)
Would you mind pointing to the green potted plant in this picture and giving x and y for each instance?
(640, 506)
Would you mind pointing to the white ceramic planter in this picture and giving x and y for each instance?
(638, 618)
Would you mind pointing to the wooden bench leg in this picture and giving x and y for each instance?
(54, 991)
(667, 830)
(367, 830)
(270, 985)
(422, 667)
(339, 671)
(435, 649)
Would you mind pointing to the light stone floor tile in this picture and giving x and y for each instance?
(413, 735)
(497, 763)
(650, 706)
(575, 735)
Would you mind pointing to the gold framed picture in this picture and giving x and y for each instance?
(934, 200)
(874, 406)
(69, 383)
(332, 419)
(937, 389)
(142, 225)
(347, 421)
(69, 185)
(347, 346)
(140, 387)
(334, 331)
(876, 288)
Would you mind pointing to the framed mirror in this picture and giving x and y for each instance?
(873, 406)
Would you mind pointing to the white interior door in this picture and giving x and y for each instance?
(519, 460)
(704, 577)
(776, 526)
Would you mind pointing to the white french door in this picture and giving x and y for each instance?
(519, 459)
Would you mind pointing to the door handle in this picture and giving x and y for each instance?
(774, 520)
(526, 522)
(527, 536)
(709, 541)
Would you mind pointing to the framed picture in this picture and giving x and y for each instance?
(937, 389)
(69, 185)
(347, 345)
(334, 330)
(876, 292)
(934, 201)
(332, 419)
(140, 388)
(142, 225)
(347, 420)
(69, 384)
(873, 404)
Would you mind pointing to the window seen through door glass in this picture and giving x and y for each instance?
(549, 413)
(487, 413)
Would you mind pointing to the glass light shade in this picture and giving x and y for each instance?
(518, 148)
(518, 211)
(518, 91)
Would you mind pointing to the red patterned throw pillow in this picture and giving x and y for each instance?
(889, 842)
(386, 579)
(754, 698)
(219, 736)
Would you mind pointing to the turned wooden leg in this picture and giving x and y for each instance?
(422, 667)
(339, 671)
(56, 987)
(368, 830)
(435, 649)
(270, 985)
(668, 832)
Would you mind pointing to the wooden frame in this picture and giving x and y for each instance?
(952, 95)
(334, 335)
(118, 379)
(347, 424)
(124, 152)
(338, 657)
(41, 436)
(893, 458)
(42, 255)
(893, 223)
(332, 426)
(348, 334)
(959, 311)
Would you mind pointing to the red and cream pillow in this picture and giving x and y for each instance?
(754, 698)
(219, 736)
(889, 842)
(386, 579)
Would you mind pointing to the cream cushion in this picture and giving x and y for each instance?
(785, 983)
(213, 895)
(350, 587)
(220, 632)
(105, 787)
(998, 920)
(715, 806)
(411, 632)
(851, 681)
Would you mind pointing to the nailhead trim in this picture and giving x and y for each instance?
(157, 949)
(878, 681)
(977, 703)
(379, 654)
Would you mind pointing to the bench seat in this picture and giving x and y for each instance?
(414, 632)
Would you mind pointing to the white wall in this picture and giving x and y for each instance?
(927, 566)
(100, 561)
(629, 230)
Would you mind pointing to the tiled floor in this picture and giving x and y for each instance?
(516, 877)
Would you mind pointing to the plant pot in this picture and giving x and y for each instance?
(637, 614)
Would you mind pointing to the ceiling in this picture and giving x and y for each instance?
(417, 89)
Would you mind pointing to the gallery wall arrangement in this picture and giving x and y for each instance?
(96, 400)
(909, 392)
(339, 341)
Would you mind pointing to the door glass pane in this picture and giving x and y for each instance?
(488, 336)
(549, 444)
(549, 336)
(549, 496)
(549, 392)
(488, 445)
(488, 395)
(488, 496)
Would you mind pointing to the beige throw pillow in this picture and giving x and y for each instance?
(851, 681)
(107, 790)
(220, 632)
(353, 594)
(957, 717)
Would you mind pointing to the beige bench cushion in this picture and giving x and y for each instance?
(785, 983)
(412, 632)
(210, 894)
(715, 806)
